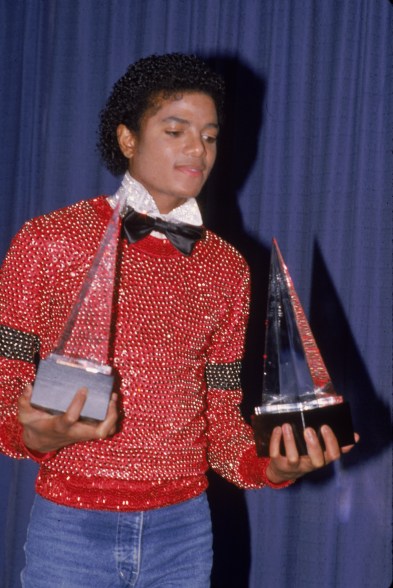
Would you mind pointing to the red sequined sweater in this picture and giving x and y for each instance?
(180, 324)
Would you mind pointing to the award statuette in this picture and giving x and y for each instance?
(79, 359)
(297, 388)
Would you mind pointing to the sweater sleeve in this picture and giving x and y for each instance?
(20, 310)
(231, 446)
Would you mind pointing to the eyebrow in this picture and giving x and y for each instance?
(184, 121)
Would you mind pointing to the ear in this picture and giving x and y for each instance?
(126, 140)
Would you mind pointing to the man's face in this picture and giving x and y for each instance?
(175, 150)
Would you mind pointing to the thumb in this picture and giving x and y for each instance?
(27, 392)
(24, 405)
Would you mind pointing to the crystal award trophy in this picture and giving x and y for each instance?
(297, 388)
(81, 354)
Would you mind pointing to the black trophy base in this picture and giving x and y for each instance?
(58, 379)
(337, 416)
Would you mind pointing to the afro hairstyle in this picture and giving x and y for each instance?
(139, 89)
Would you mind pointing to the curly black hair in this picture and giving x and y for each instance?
(139, 88)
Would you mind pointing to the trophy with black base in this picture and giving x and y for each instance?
(80, 357)
(297, 388)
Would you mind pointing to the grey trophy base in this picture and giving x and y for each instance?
(56, 384)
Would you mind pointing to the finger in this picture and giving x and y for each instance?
(275, 441)
(24, 399)
(291, 450)
(28, 390)
(314, 448)
(74, 410)
(24, 403)
(348, 448)
(108, 426)
(332, 451)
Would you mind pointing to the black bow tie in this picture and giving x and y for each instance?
(182, 235)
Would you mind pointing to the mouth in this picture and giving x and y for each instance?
(191, 170)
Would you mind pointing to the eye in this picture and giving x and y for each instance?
(173, 133)
(211, 139)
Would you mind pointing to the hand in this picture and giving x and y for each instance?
(292, 465)
(44, 432)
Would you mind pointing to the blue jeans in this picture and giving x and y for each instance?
(163, 548)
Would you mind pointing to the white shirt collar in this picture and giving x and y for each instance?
(137, 197)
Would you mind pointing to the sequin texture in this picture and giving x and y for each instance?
(15, 344)
(176, 318)
(225, 375)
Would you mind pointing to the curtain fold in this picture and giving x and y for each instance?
(305, 157)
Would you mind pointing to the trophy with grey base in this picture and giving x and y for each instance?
(297, 388)
(80, 357)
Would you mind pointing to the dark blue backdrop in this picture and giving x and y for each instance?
(305, 157)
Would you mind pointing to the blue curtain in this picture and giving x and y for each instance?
(305, 157)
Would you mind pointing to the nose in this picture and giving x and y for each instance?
(195, 145)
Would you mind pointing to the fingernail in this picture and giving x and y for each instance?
(309, 434)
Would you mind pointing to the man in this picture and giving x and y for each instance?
(122, 502)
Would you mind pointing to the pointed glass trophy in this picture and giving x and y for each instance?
(297, 388)
(81, 354)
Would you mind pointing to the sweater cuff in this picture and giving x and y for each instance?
(253, 470)
(264, 466)
(36, 456)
